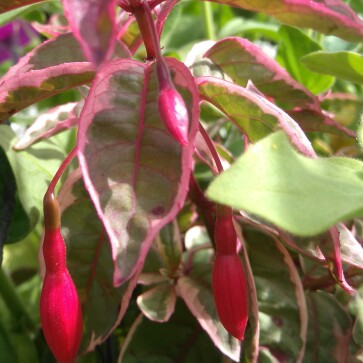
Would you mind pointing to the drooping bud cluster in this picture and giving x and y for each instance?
(228, 278)
(172, 108)
(60, 310)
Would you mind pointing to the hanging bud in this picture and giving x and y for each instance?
(172, 108)
(60, 310)
(225, 235)
(228, 278)
(230, 293)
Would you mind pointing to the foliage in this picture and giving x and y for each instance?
(273, 92)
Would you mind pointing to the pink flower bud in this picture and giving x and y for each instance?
(174, 114)
(230, 293)
(60, 310)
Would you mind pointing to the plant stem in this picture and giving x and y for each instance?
(60, 171)
(211, 148)
(13, 302)
(208, 20)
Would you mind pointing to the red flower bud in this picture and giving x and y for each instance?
(174, 114)
(225, 235)
(230, 293)
(60, 310)
(172, 108)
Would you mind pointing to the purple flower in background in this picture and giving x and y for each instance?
(13, 37)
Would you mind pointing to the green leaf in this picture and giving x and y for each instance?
(294, 44)
(329, 329)
(300, 195)
(181, 339)
(358, 324)
(158, 303)
(280, 295)
(7, 348)
(170, 247)
(33, 170)
(343, 65)
(7, 198)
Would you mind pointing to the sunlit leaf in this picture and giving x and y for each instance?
(275, 182)
(136, 173)
(343, 65)
(332, 17)
(254, 114)
(293, 45)
(244, 61)
(93, 23)
(158, 303)
(53, 67)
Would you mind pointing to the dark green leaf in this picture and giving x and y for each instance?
(280, 295)
(180, 340)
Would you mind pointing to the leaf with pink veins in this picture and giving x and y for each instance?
(136, 173)
(93, 23)
(331, 17)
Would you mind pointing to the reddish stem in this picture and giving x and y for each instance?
(145, 21)
(211, 148)
(60, 171)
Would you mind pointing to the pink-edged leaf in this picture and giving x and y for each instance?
(136, 173)
(351, 250)
(158, 303)
(6, 5)
(253, 114)
(252, 335)
(93, 24)
(311, 120)
(346, 108)
(280, 294)
(332, 17)
(50, 123)
(53, 67)
(89, 261)
(55, 26)
(129, 32)
(196, 291)
(306, 247)
(330, 247)
(242, 61)
(328, 322)
(162, 12)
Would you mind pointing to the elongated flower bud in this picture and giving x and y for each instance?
(60, 310)
(172, 108)
(228, 278)
(230, 293)
(225, 235)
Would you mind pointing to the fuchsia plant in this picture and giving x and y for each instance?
(208, 195)
(60, 310)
